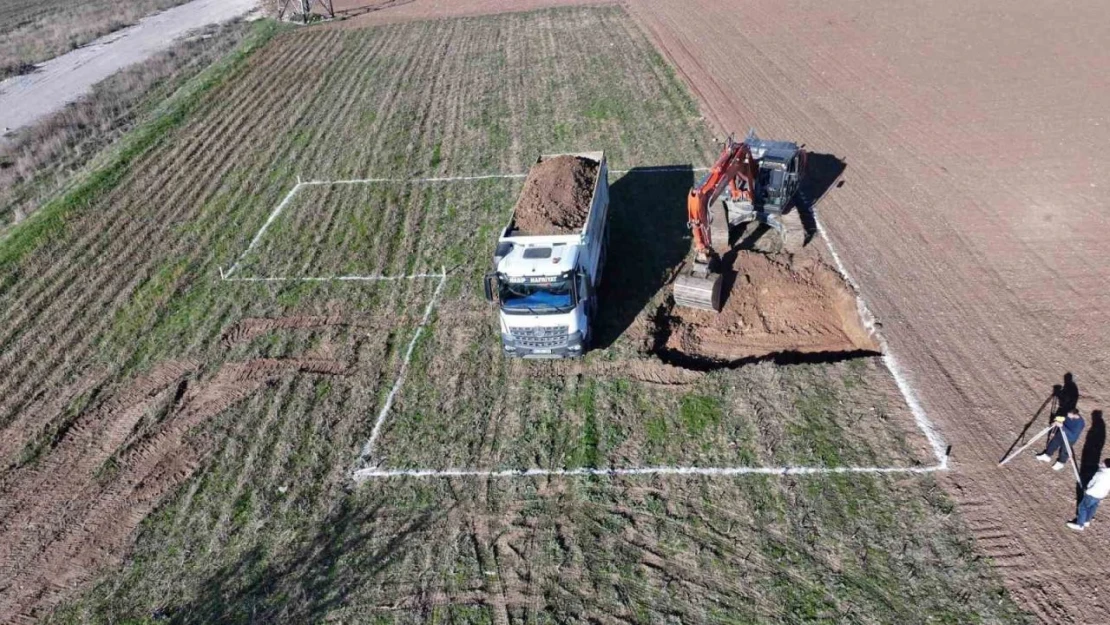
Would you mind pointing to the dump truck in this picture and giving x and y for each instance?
(549, 258)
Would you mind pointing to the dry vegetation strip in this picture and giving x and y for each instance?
(33, 32)
(264, 525)
(39, 160)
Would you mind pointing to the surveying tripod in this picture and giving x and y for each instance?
(1056, 428)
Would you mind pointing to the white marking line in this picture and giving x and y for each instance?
(368, 448)
(923, 423)
(413, 276)
(365, 474)
(262, 230)
(314, 183)
(920, 418)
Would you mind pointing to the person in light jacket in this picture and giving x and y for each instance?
(1097, 490)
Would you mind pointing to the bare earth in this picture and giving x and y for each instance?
(61, 80)
(972, 215)
(776, 304)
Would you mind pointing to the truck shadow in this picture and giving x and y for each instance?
(648, 238)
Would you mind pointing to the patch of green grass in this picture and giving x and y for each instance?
(437, 157)
(818, 431)
(700, 412)
(656, 429)
(584, 401)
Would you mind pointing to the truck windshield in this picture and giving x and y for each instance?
(537, 298)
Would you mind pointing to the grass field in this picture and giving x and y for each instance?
(32, 32)
(229, 415)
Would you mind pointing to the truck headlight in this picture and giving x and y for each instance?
(574, 342)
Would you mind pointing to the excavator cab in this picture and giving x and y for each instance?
(780, 170)
(753, 180)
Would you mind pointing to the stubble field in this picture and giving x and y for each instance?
(179, 447)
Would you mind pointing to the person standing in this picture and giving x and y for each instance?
(1097, 490)
(1070, 426)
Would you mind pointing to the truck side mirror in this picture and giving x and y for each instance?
(490, 283)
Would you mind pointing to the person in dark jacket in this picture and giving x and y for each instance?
(1071, 425)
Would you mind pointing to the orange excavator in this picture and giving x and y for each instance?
(761, 178)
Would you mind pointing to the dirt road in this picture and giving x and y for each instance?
(61, 80)
(973, 215)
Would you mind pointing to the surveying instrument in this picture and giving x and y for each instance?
(1056, 427)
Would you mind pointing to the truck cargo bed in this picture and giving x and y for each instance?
(557, 196)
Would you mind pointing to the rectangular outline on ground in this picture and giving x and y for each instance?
(921, 419)
(227, 276)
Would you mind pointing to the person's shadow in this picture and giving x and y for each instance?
(1090, 459)
(1049, 403)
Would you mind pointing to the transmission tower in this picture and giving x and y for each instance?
(303, 8)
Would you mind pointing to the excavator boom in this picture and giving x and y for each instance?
(734, 172)
(760, 178)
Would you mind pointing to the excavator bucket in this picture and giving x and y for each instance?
(698, 289)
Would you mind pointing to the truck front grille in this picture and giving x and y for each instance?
(541, 337)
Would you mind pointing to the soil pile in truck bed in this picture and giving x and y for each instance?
(556, 196)
(777, 304)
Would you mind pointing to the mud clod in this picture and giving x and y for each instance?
(556, 196)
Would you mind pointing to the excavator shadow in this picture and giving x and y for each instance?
(821, 173)
(648, 237)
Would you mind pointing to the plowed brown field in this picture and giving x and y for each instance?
(973, 215)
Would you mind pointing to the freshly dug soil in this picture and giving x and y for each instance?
(556, 196)
(777, 304)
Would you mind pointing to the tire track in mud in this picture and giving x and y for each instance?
(43, 412)
(66, 518)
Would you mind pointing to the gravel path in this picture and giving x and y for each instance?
(61, 80)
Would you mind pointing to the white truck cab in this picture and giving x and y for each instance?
(546, 285)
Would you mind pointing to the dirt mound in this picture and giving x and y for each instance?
(556, 196)
(775, 305)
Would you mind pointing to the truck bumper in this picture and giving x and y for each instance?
(573, 348)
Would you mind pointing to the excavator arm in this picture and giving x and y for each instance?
(734, 172)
